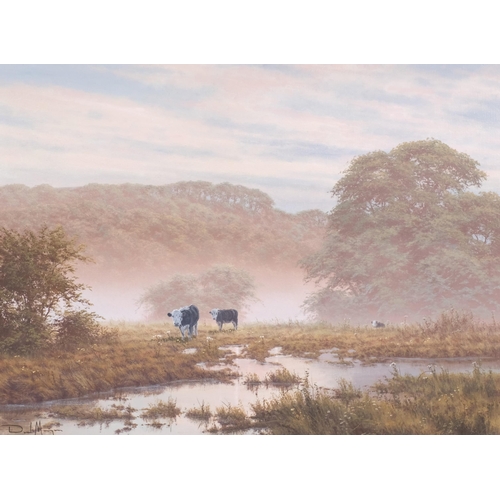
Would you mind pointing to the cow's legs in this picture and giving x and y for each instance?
(235, 324)
(184, 329)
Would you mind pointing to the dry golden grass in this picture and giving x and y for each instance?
(230, 419)
(201, 413)
(282, 377)
(148, 354)
(129, 361)
(252, 379)
(441, 403)
(162, 410)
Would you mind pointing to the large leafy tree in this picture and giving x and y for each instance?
(407, 238)
(37, 286)
(220, 286)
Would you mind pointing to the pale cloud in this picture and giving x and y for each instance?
(288, 130)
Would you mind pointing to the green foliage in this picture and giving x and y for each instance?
(406, 238)
(221, 286)
(36, 285)
(77, 328)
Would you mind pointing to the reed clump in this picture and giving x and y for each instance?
(252, 380)
(200, 413)
(282, 377)
(162, 409)
(435, 403)
(231, 419)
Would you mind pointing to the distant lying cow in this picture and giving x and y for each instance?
(186, 318)
(377, 324)
(225, 316)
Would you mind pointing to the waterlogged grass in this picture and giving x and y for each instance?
(230, 419)
(201, 413)
(279, 377)
(162, 409)
(436, 403)
(252, 380)
(282, 377)
(89, 415)
(149, 354)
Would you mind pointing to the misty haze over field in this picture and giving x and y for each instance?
(140, 235)
(278, 301)
(172, 169)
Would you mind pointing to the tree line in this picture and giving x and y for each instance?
(407, 238)
(158, 229)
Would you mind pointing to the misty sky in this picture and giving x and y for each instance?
(287, 130)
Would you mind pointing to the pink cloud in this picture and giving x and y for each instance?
(238, 121)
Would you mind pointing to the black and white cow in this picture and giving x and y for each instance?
(377, 324)
(186, 318)
(225, 316)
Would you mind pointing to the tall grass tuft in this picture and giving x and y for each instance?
(231, 419)
(453, 322)
(252, 380)
(201, 413)
(438, 403)
(283, 377)
(162, 409)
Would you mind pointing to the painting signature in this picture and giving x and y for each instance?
(36, 429)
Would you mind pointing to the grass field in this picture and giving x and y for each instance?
(147, 354)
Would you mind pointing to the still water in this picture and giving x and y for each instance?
(325, 372)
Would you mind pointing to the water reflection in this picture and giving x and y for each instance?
(326, 371)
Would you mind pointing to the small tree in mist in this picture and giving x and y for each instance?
(221, 286)
(407, 238)
(37, 287)
(162, 297)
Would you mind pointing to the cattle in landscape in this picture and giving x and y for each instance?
(225, 316)
(186, 318)
(377, 324)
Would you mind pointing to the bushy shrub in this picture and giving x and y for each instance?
(37, 284)
(77, 328)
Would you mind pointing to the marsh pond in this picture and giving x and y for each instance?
(198, 407)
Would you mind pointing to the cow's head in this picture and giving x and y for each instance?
(214, 313)
(176, 315)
